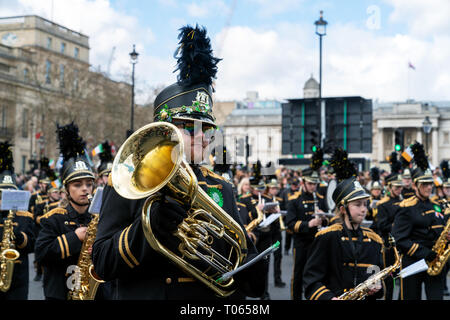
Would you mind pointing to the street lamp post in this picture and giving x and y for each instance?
(134, 56)
(321, 30)
(427, 126)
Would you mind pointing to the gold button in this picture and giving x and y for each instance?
(168, 281)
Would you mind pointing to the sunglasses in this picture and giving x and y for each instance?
(192, 128)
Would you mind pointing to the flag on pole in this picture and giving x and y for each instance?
(408, 154)
(411, 66)
(56, 183)
(98, 149)
(52, 163)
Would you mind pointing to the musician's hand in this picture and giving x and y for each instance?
(81, 233)
(166, 215)
(260, 206)
(252, 236)
(315, 222)
(375, 289)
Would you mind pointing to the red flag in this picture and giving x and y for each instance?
(411, 66)
(38, 135)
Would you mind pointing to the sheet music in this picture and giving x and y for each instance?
(271, 218)
(15, 200)
(96, 203)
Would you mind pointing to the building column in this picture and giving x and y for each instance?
(434, 147)
(419, 136)
(380, 142)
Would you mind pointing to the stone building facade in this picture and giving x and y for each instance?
(45, 78)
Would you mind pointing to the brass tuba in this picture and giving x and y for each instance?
(150, 163)
(8, 255)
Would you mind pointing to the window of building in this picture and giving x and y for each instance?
(75, 79)
(49, 43)
(25, 123)
(26, 75)
(61, 75)
(63, 47)
(446, 137)
(3, 117)
(4, 67)
(76, 52)
(24, 162)
(48, 67)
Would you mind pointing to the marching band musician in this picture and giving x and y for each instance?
(417, 225)
(271, 195)
(408, 190)
(104, 168)
(22, 231)
(63, 229)
(343, 254)
(303, 222)
(51, 202)
(387, 208)
(375, 189)
(121, 251)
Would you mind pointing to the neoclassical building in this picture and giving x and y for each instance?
(410, 116)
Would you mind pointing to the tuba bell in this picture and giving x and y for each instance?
(151, 162)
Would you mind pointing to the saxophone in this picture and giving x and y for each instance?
(440, 247)
(255, 222)
(8, 255)
(363, 289)
(88, 281)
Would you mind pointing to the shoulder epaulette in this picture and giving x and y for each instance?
(278, 199)
(241, 204)
(58, 210)
(383, 200)
(24, 214)
(110, 180)
(319, 195)
(246, 196)
(435, 202)
(332, 228)
(295, 195)
(207, 172)
(372, 235)
(409, 202)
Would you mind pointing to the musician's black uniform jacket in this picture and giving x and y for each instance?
(407, 192)
(300, 210)
(333, 268)
(122, 252)
(36, 198)
(40, 209)
(417, 225)
(58, 247)
(387, 208)
(24, 244)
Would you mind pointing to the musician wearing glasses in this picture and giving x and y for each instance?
(142, 245)
(19, 225)
(344, 254)
(63, 229)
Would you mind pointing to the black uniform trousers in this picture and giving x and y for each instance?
(301, 252)
(277, 255)
(264, 240)
(412, 285)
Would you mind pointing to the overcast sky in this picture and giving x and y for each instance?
(270, 46)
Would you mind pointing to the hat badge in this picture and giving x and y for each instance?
(80, 165)
(7, 179)
(201, 102)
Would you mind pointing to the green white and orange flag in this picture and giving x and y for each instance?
(98, 149)
(408, 154)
